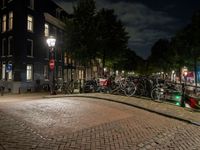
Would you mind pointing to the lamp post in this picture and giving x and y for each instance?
(51, 41)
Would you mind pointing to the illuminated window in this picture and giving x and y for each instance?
(10, 46)
(46, 30)
(10, 23)
(29, 47)
(30, 23)
(3, 71)
(29, 72)
(4, 23)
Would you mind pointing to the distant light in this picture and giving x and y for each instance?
(117, 72)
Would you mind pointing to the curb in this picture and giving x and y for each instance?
(133, 105)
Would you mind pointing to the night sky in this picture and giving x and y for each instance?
(146, 21)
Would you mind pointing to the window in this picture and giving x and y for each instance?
(60, 54)
(29, 72)
(10, 46)
(69, 60)
(46, 75)
(4, 47)
(46, 30)
(53, 31)
(60, 72)
(3, 3)
(9, 70)
(10, 1)
(3, 71)
(30, 23)
(10, 23)
(73, 62)
(29, 47)
(4, 23)
(31, 4)
(58, 10)
(65, 58)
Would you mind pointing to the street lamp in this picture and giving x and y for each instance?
(51, 41)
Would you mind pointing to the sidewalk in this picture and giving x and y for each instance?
(166, 109)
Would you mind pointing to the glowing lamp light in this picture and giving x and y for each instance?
(51, 41)
(177, 104)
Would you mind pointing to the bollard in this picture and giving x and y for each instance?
(183, 96)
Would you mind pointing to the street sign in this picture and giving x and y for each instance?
(52, 64)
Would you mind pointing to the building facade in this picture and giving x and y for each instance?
(24, 54)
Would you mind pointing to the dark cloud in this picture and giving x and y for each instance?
(147, 21)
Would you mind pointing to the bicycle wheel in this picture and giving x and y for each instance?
(157, 94)
(140, 90)
(130, 89)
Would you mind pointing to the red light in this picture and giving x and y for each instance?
(193, 102)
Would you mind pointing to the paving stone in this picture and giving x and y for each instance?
(85, 123)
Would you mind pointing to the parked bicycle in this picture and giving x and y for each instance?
(166, 91)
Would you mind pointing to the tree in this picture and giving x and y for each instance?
(112, 37)
(160, 56)
(81, 32)
(186, 44)
(91, 34)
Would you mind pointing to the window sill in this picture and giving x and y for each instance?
(3, 7)
(30, 31)
(30, 56)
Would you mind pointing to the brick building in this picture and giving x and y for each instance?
(24, 54)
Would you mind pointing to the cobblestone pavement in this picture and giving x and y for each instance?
(166, 109)
(88, 123)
